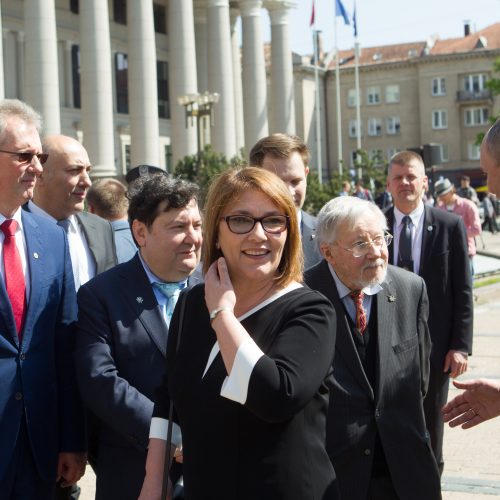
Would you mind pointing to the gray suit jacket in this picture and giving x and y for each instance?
(100, 239)
(120, 360)
(394, 408)
(311, 253)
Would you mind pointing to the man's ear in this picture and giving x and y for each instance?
(307, 171)
(139, 230)
(325, 250)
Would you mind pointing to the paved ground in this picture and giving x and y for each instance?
(472, 457)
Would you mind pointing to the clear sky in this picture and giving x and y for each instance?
(386, 22)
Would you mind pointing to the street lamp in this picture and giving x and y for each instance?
(200, 108)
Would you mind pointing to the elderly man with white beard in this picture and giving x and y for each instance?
(376, 434)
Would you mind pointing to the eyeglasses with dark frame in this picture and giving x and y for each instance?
(26, 157)
(361, 249)
(243, 224)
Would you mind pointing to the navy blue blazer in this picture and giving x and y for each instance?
(37, 377)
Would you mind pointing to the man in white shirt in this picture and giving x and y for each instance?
(433, 244)
(60, 196)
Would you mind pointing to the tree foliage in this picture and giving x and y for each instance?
(493, 84)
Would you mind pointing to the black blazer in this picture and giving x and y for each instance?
(444, 266)
(395, 409)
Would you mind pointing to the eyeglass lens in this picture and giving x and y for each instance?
(241, 224)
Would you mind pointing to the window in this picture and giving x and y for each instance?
(474, 83)
(162, 79)
(473, 151)
(476, 116)
(75, 75)
(353, 128)
(374, 126)
(74, 7)
(373, 95)
(393, 125)
(392, 94)
(120, 11)
(168, 158)
(444, 153)
(438, 86)
(440, 119)
(353, 160)
(391, 152)
(351, 98)
(121, 82)
(376, 156)
(160, 18)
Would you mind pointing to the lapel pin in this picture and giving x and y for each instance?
(313, 236)
(391, 298)
(139, 300)
(429, 228)
(35, 255)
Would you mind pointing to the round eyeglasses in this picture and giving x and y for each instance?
(242, 224)
(362, 248)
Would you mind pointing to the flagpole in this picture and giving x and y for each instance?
(337, 87)
(318, 106)
(358, 107)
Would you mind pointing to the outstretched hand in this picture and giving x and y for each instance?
(479, 402)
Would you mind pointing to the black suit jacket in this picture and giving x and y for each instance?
(444, 266)
(394, 408)
(311, 252)
(120, 360)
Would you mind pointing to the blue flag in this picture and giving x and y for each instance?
(355, 22)
(340, 11)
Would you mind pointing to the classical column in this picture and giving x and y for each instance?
(20, 64)
(201, 36)
(182, 75)
(237, 88)
(220, 76)
(254, 74)
(142, 84)
(282, 91)
(42, 72)
(68, 73)
(96, 87)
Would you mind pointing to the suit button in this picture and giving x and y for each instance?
(18, 396)
(368, 451)
(22, 356)
(377, 413)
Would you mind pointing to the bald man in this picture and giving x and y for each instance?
(60, 196)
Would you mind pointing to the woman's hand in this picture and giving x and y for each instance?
(219, 290)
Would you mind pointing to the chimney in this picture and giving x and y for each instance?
(466, 28)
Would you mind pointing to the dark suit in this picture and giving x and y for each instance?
(308, 230)
(393, 406)
(37, 382)
(121, 348)
(444, 266)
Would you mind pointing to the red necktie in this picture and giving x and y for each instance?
(14, 276)
(357, 297)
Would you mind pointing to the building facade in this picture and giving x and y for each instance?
(110, 73)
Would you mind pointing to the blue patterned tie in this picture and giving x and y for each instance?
(171, 292)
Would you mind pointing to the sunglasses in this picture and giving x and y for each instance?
(25, 157)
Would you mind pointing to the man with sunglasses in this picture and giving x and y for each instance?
(376, 435)
(433, 244)
(41, 420)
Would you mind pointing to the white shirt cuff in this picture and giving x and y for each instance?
(235, 386)
(159, 429)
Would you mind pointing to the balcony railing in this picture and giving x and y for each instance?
(468, 96)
